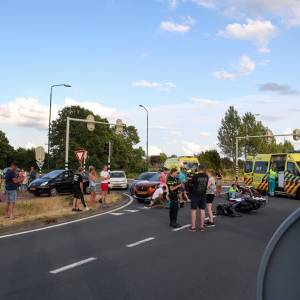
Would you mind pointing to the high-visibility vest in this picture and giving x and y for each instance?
(273, 174)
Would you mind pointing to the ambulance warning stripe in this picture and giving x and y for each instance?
(292, 183)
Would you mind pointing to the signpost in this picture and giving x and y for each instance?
(81, 155)
(119, 128)
(40, 157)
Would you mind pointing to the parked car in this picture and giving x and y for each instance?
(142, 177)
(55, 182)
(118, 180)
(144, 189)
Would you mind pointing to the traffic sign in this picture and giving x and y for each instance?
(81, 155)
(90, 125)
(39, 154)
(119, 127)
(296, 134)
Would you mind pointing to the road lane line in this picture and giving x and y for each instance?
(74, 265)
(69, 222)
(131, 210)
(116, 214)
(182, 227)
(140, 242)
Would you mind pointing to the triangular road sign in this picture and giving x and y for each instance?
(80, 154)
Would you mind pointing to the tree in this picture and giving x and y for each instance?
(229, 130)
(6, 151)
(25, 158)
(252, 127)
(124, 155)
(211, 159)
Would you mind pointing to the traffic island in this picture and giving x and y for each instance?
(46, 211)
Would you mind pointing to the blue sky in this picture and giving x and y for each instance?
(187, 60)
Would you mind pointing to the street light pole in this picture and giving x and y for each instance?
(50, 110)
(147, 142)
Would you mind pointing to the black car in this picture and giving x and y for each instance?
(55, 182)
(142, 177)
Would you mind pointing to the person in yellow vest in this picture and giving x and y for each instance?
(272, 181)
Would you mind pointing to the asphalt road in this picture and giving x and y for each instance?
(133, 254)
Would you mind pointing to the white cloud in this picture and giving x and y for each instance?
(30, 145)
(166, 86)
(257, 31)
(286, 10)
(245, 67)
(191, 148)
(208, 103)
(29, 112)
(154, 150)
(203, 3)
(173, 3)
(182, 27)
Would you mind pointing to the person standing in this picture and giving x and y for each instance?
(32, 175)
(163, 176)
(210, 196)
(198, 197)
(104, 185)
(93, 178)
(219, 178)
(272, 181)
(173, 187)
(12, 182)
(77, 189)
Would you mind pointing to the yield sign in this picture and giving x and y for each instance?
(81, 155)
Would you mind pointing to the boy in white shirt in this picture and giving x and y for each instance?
(104, 185)
(159, 196)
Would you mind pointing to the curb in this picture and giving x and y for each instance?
(69, 222)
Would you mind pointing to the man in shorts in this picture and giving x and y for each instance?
(77, 189)
(104, 185)
(198, 197)
(12, 182)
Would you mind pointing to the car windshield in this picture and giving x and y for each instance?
(145, 176)
(190, 166)
(155, 177)
(117, 175)
(52, 174)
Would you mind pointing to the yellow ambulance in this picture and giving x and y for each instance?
(189, 162)
(248, 171)
(287, 166)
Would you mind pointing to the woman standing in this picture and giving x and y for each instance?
(210, 196)
(93, 178)
(219, 178)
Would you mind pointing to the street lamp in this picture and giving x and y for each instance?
(147, 145)
(50, 109)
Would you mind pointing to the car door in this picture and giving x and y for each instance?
(68, 181)
(59, 183)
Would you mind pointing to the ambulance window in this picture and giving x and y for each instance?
(248, 166)
(291, 167)
(261, 167)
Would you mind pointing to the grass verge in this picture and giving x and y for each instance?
(48, 210)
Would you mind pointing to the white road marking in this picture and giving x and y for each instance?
(74, 265)
(140, 242)
(182, 227)
(131, 210)
(116, 214)
(69, 222)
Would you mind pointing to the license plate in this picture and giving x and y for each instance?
(142, 193)
(32, 189)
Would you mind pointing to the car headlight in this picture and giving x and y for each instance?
(44, 183)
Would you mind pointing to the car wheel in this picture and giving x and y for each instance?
(53, 192)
